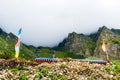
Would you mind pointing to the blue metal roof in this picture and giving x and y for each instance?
(73, 59)
(97, 61)
(44, 58)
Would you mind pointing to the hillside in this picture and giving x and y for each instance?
(7, 44)
(49, 52)
(90, 45)
(79, 44)
(74, 46)
(8, 41)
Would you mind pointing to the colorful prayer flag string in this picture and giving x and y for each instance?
(17, 46)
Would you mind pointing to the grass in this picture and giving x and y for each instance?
(93, 58)
(53, 76)
(115, 69)
(46, 52)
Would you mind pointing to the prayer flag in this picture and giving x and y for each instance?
(17, 46)
(104, 46)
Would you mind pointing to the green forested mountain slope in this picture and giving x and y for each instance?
(74, 46)
(7, 47)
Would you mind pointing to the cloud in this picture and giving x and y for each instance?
(47, 22)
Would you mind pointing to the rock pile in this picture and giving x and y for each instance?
(12, 63)
(64, 70)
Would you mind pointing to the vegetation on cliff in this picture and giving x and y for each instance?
(90, 45)
(74, 46)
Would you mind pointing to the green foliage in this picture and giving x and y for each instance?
(7, 47)
(116, 66)
(107, 68)
(92, 77)
(93, 58)
(115, 69)
(115, 41)
(47, 52)
(26, 53)
(63, 78)
(14, 70)
(42, 73)
(54, 76)
(23, 77)
(63, 66)
(117, 31)
(116, 62)
(60, 54)
(31, 48)
(44, 52)
(5, 50)
(94, 36)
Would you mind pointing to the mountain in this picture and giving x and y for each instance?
(112, 39)
(74, 46)
(79, 44)
(7, 45)
(90, 45)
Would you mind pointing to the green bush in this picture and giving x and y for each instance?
(43, 72)
(92, 77)
(52, 76)
(93, 58)
(107, 68)
(23, 77)
(63, 78)
(14, 70)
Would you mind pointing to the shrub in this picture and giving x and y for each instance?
(23, 77)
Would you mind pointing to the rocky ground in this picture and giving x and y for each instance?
(15, 69)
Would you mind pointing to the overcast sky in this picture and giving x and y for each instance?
(48, 22)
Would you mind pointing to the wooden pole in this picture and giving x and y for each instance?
(107, 56)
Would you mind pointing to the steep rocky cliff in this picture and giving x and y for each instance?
(112, 43)
(73, 46)
(79, 44)
(91, 45)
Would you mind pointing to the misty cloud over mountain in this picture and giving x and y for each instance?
(48, 22)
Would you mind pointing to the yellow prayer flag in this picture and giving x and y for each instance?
(16, 55)
(104, 46)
